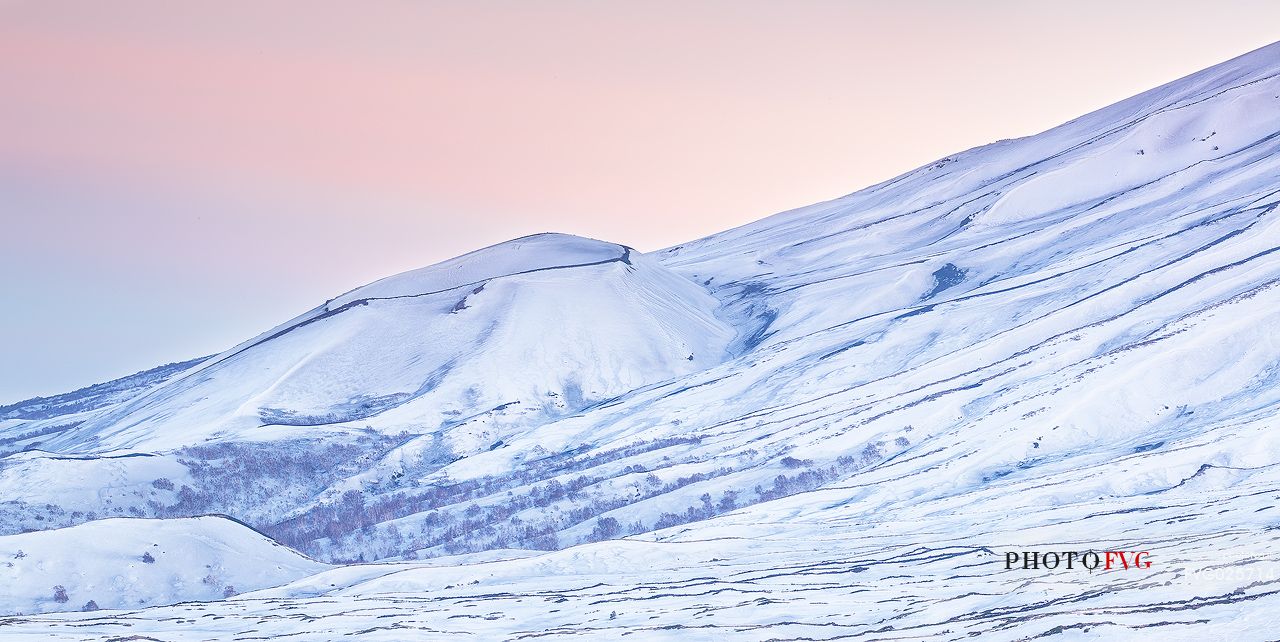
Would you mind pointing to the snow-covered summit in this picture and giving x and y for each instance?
(567, 321)
(524, 255)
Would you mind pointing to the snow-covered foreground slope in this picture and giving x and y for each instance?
(760, 577)
(133, 563)
(1063, 342)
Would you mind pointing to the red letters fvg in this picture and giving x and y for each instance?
(1089, 560)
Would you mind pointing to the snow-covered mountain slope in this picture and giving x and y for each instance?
(96, 396)
(567, 321)
(134, 563)
(27, 425)
(1061, 342)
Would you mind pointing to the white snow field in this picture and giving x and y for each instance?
(833, 423)
(131, 563)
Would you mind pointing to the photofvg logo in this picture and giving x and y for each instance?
(1088, 560)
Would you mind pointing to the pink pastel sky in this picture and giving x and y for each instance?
(178, 176)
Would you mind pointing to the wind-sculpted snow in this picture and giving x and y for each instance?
(1059, 343)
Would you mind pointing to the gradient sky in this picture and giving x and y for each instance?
(178, 176)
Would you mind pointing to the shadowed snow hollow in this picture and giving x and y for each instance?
(567, 321)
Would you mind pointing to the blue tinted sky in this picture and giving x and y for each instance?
(176, 177)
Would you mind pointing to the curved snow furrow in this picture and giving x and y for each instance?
(324, 311)
(912, 310)
(859, 200)
(1128, 125)
(1263, 210)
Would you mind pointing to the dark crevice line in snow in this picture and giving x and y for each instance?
(858, 409)
(625, 259)
(1127, 125)
(912, 310)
